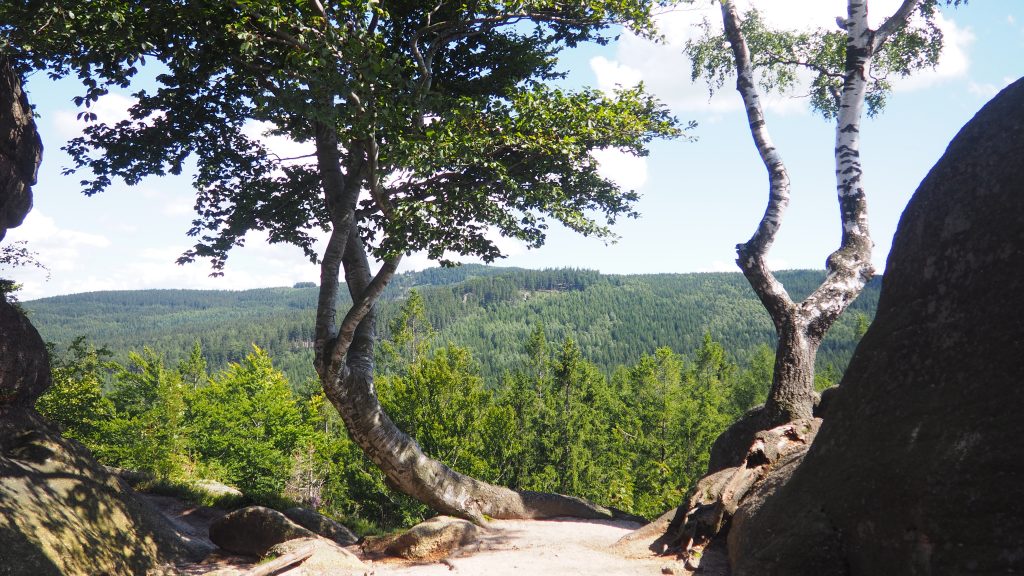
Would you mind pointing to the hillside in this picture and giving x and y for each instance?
(490, 310)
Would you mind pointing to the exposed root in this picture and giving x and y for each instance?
(718, 495)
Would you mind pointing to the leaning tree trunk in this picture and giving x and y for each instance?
(345, 364)
(800, 327)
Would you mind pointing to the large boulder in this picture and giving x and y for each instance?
(24, 362)
(434, 539)
(321, 525)
(253, 530)
(325, 558)
(918, 466)
(62, 513)
(21, 149)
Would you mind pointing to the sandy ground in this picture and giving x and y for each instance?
(562, 546)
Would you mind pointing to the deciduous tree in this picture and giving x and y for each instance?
(850, 70)
(433, 127)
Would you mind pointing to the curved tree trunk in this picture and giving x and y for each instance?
(802, 326)
(345, 362)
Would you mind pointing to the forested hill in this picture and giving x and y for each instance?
(614, 318)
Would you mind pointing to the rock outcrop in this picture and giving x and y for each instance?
(253, 530)
(321, 525)
(60, 511)
(21, 149)
(434, 539)
(918, 466)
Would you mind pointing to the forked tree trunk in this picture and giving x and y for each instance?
(800, 327)
(345, 363)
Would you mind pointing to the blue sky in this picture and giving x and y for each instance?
(699, 198)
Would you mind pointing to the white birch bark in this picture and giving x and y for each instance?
(802, 326)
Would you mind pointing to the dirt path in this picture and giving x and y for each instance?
(563, 546)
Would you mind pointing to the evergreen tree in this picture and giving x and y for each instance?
(147, 431)
(246, 424)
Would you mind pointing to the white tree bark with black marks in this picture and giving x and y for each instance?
(801, 326)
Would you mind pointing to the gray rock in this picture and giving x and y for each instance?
(21, 149)
(216, 488)
(653, 538)
(62, 513)
(328, 559)
(434, 539)
(253, 530)
(321, 525)
(917, 468)
(24, 362)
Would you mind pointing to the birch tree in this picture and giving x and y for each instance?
(433, 127)
(850, 70)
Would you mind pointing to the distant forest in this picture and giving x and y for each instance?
(491, 311)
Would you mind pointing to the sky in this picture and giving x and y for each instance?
(699, 198)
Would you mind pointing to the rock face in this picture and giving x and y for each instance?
(254, 530)
(24, 362)
(918, 466)
(21, 150)
(62, 513)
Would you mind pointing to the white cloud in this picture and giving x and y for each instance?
(612, 75)
(110, 108)
(58, 248)
(984, 91)
(281, 146)
(987, 91)
(623, 168)
(953, 61)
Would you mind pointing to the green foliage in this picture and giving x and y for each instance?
(75, 400)
(778, 56)
(637, 440)
(491, 311)
(147, 431)
(246, 423)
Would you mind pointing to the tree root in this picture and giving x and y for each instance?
(718, 495)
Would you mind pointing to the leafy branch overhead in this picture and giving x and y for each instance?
(787, 60)
(443, 120)
(432, 126)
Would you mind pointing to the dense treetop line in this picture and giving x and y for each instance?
(491, 311)
(637, 439)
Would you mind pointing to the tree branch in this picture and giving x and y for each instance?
(365, 293)
(752, 255)
(893, 23)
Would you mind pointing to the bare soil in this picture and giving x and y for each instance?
(561, 546)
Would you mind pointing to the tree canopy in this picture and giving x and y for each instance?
(433, 126)
(442, 113)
